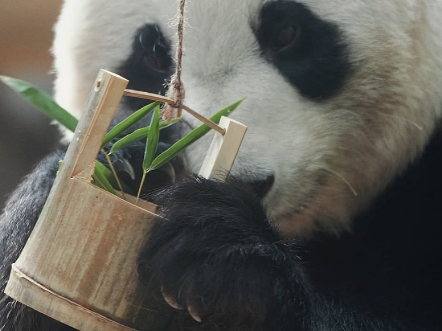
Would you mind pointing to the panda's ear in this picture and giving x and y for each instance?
(306, 49)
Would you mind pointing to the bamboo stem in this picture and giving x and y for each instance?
(157, 97)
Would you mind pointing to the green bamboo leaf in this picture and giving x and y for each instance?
(97, 182)
(152, 139)
(100, 176)
(104, 170)
(128, 122)
(139, 134)
(41, 101)
(108, 174)
(190, 138)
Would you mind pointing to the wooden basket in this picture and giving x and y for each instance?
(79, 264)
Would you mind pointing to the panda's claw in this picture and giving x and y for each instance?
(193, 314)
(123, 165)
(170, 300)
(127, 167)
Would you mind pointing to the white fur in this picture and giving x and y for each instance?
(355, 143)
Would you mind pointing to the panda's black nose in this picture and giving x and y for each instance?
(262, 187)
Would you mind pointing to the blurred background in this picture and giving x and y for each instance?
(26, 136)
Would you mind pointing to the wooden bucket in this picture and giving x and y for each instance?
(79, 264)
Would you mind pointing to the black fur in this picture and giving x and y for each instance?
(316, 62)
(214, 250)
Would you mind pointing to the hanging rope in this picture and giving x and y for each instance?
(176, 88)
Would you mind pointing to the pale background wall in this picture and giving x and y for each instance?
(25, 41)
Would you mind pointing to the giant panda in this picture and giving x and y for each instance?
(332, 218)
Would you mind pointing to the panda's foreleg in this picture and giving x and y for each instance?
(16, 223)
(214, 256)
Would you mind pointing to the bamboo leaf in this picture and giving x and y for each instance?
(191, 137)
(108, 174)
(128, 122)
(100, 177)
(41, 101)
(152, 140)
(139, 134)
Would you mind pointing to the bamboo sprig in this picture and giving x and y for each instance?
(128, 122)
(102, 175)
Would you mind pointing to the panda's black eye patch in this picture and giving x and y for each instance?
(149, 64)
(308, 51)
(156, 50)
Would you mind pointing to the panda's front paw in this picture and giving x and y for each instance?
(214, 255)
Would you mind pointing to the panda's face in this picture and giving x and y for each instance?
(340, 95)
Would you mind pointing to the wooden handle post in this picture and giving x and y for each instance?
(223, 150)
(100, 109)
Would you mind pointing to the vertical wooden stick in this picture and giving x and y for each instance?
(101, 107)
(223, 150)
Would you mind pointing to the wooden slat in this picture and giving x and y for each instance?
(100, 109)
(61, 307)
(223, 150)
